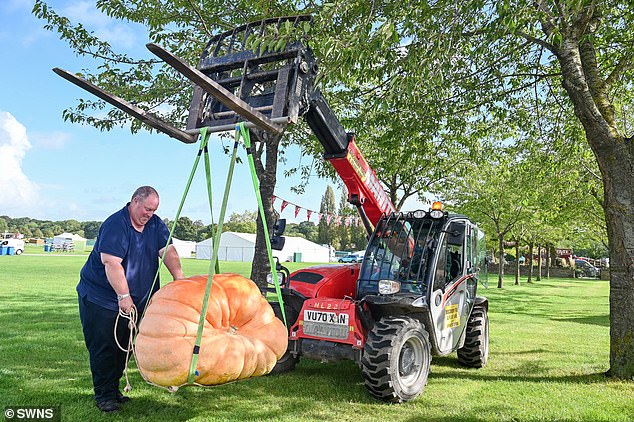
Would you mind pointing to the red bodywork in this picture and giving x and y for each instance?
(362, 183)
(329, 299)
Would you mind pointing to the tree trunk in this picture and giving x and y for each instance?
(530, 261)
(548, 251)
(501, 263)
(615, 157)
(539, 263)
(619, 214)
(267, 176)
(517, 262)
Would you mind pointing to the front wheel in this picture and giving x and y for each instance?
(475, 352)
(396, 359)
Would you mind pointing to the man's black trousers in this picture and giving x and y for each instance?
(107, 361)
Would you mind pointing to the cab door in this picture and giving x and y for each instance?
(450, 297)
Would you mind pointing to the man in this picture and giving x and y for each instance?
(117, 275)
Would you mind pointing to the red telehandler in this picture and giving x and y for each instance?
(414, 293)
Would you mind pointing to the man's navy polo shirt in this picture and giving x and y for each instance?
(139, 252)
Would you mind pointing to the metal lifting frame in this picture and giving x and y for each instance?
(254, 88)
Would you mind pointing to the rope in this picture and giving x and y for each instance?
(132, 320)
(204, 138)
(241, 131)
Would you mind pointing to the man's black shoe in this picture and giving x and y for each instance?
(108, 406)
(121, 398)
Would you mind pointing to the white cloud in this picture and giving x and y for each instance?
(18, 194)
(104, 27)
(86, 13)
(50, 140)
(13, 5)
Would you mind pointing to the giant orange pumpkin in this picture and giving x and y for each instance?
(242, 338)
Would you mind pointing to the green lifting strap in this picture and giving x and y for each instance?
(208, 174)
(204, 138)
(244, 132)
(212, 266)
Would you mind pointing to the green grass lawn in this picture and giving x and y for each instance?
(549, 348)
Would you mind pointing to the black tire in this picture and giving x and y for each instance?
(396, 359)
(475, 351)
(18, 251)
(287, 362)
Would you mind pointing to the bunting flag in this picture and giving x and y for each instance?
(338, 220)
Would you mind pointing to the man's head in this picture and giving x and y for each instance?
(144, 202)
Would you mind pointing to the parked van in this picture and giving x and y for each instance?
(17, 244)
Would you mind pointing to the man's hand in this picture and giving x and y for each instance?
(126, 304)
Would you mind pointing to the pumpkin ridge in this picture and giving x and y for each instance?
(242, 337)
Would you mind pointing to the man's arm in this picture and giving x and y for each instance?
(116, 277)
(172, 262)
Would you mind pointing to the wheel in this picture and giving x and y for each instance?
(341, 260)
(475, 351)
(18, 251)
(287, 362)
(396, 359)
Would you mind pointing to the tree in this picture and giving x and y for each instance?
(446, 67)
(185, 229)
(495, 193)
(342, 229)
(325, 232)
(72, 226)
(241, 223)
(308, 229)
(91, 229)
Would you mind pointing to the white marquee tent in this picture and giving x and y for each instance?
(62, 242)
(241, 247)
(185, 248)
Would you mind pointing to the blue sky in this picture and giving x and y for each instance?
(55, 170)
(51, 169)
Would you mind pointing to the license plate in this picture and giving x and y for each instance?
(326, 324)
(326, 317)
(319, 329)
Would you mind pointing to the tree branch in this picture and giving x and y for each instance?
(625, 64)
(200, 18)
(535, 40)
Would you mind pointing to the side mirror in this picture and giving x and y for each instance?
(277, 242)
(279, 227)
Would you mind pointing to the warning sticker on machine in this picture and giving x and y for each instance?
(452, 318)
